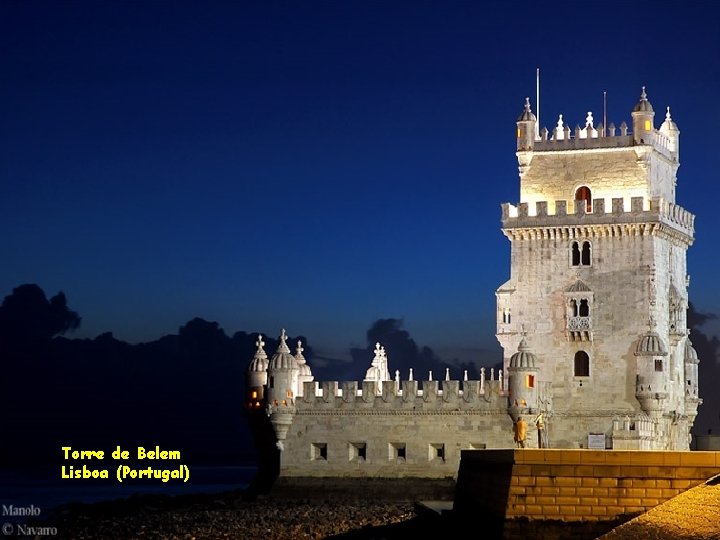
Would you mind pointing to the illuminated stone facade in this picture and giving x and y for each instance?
(592, 323)
(598, 282)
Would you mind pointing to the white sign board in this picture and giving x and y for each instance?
(596, 441)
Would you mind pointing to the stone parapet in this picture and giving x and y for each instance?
(402, 395)
(541, 214)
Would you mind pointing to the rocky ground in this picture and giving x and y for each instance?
(210, 517)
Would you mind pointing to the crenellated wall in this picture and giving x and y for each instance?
(401, 394)
(406, 428)
(564, 213)
(577, 139)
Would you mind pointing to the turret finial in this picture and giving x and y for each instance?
(299, 350)
(260, 352)
(282, 346)
(643, 95)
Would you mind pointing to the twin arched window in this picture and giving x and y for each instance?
(579, 309)
(580, 254)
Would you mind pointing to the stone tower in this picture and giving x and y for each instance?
(599, 284)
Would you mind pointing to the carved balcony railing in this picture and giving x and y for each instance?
(579, 328)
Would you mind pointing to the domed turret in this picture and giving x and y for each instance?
(257, 375)
(652, 373)
(670, 130)
(691, 379)
(522, 382)
(282, 389)
(526, 128)
(524, 358)
(642, 116)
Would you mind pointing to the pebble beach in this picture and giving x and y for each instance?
(230, 515)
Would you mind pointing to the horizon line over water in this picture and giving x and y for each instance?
(47, 491)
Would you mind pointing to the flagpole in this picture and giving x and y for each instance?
(604, 113)
(537, 103)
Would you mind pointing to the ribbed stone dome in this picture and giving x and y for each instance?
(651, 344)
(527, 113)
(523, 358)
(301, 362)
(643, 105)
(258, 364)
(668, 125)
(260, 360)
(282, 359)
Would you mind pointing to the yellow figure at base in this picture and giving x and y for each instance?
(520, 431)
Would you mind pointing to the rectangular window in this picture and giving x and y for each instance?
(529, 381)
(318, 451)
(357, 451)
(436, 452)
(658, 365)
(396, 451)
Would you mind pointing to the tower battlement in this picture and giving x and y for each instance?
(562, 138)
(406, 394)
(623, 210)
(665, 139)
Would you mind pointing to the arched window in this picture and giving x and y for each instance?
(575, 254)
(582, 364)
(583, 194)
(585, 255)
(573, 308)
(584, 308)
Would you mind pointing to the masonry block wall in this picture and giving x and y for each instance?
(575, 485)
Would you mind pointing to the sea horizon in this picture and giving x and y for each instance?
(46, 490)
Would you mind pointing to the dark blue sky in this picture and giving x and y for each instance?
(315, 165)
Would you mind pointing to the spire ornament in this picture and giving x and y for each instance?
(282, 346)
